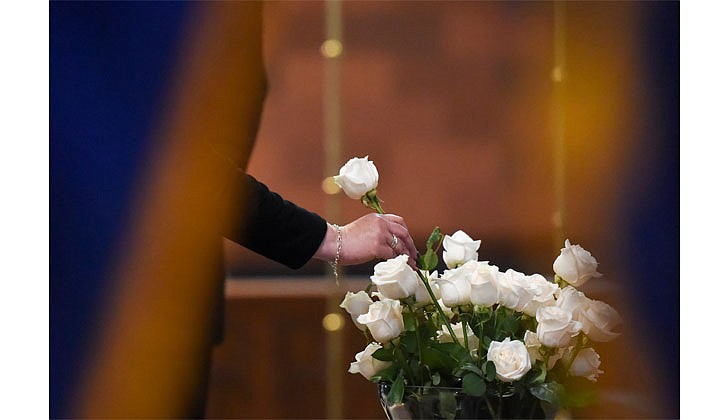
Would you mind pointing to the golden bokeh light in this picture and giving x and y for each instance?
(333, 322)
(329, 186)
(331, 48)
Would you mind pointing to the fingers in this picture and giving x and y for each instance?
(394, 219)
(397, 226)
(405, 243)
(372, 236)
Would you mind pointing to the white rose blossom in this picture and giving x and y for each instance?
(511, 359)
(575, 265)
(586, 364)
(484, 285)
(367, 365)
(555, 326)
(422, 297)
(357, 177)
(599, 320)
(541, 292)
(356, 304)
(459, 249)
(384, 320)
(513, 291)
(571, 300)
(444, 336)
(394, 278)
(455, 284)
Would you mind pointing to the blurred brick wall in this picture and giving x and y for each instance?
(453, 102)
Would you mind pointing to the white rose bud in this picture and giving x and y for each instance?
(484, 285)
(511, 359)
(575, 265)
(513, 291)
(367, 365)
(394, 278)
(555, 326)
(455, 284)
(356, 304)
(459, 249)
(357, 177)
(384, 320)
(599, 320)
(422, 297)
(586, 364)
(444, 336)
(541, 291)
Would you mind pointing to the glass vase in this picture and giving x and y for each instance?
(452, 403)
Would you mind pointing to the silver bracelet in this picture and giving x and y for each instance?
(335, 262)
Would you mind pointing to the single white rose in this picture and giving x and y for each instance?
(394, 278)
(513, 291)
(484, 285)
(571, 300)
(511, 359)
(541, 292)
(575, 265)
(455, 284)
(444, 336)
(459, 249)
(356, 304)
(422, 297)
(357, 177)
(586, 364)
(384, 320)
(367, 365)
(555, 326)
(599, 320)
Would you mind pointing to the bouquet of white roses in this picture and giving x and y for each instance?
(513, 343)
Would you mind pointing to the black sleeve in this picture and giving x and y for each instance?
(276, 228)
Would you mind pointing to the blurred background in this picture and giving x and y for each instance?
(521, 123)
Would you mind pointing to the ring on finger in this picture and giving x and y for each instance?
(395, 241)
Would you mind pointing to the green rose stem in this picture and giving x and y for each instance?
(419, 341)
(437, 305)
(403, 362)
(371, 201)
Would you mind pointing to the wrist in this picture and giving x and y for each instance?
(329, 245)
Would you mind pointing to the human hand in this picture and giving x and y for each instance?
(369, 237)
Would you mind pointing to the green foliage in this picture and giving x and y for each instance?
(410, 321)
(388, 374)
(489, 368)
(473, 384)
(385, 354)
(428, 261)
(397, 392)
(548, 391)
